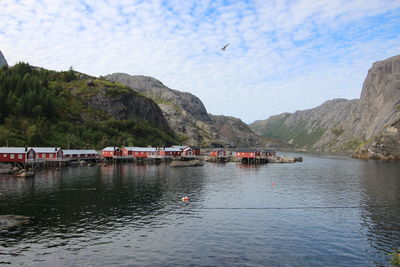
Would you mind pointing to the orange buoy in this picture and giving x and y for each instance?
(273, 184)
(185, 199)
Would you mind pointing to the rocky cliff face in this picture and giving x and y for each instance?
(3, 60)
(368, 126)
(376, 118)
(125, 106)
(187, 115)
(235, 131)
(306, 128)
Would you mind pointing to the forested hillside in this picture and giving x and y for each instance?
(40, 107)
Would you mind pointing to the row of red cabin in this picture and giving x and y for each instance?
(29, 154)
(145, 152)
(37, 154)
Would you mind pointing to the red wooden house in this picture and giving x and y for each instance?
(247, 153)
(171, 152)
(48, 153)
(111, 152)
(16, 154)
(188, 152)
(139, 152)
(218, 152)
(196, 150)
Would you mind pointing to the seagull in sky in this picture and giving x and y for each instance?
(224, 48)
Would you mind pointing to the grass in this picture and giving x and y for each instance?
(301, 137)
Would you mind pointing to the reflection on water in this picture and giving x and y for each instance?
(326, 211)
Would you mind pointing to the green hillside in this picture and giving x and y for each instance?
(40, 107)
(299, 134)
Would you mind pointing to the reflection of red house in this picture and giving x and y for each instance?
(171, 152)
(139, 152)
(247, 153)
(16, 154)
(48, 153)
(111, 152)
(218, 152)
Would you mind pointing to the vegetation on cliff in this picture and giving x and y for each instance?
(39, 107)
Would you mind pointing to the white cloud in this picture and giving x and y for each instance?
(283, 55)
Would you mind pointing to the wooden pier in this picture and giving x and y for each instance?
(255, 160)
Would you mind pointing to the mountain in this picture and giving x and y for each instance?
(3, 60)
(369, 126)
(234, 130)
(187, 115)
(39, 107)
(307, 127)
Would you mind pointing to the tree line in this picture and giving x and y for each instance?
(37, 108)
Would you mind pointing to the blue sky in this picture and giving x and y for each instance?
(283, 55)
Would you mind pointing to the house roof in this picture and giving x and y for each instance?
(46, 149)
(78, 152)
(141, 149)
(172, 149)
(180, 147)
(13, 149)
(109, 148)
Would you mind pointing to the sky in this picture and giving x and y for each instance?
(283, 55)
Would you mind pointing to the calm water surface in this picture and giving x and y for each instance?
(325, 211)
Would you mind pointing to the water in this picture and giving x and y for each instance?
(325, 211)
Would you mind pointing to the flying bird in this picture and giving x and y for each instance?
(224, 48)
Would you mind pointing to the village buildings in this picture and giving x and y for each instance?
(24, 155)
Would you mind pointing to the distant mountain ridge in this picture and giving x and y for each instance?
(187, 115)
(368, 126)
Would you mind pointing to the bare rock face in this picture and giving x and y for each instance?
(369, 126)
(155, 89)
(380, 99)
(187, 115)
(128, 106)
(3, 60)
(235, 130)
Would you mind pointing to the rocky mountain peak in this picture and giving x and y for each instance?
(187, 115)
(3, 60)
(161, 94)
(138, 82)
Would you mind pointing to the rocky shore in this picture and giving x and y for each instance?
(12, 221)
